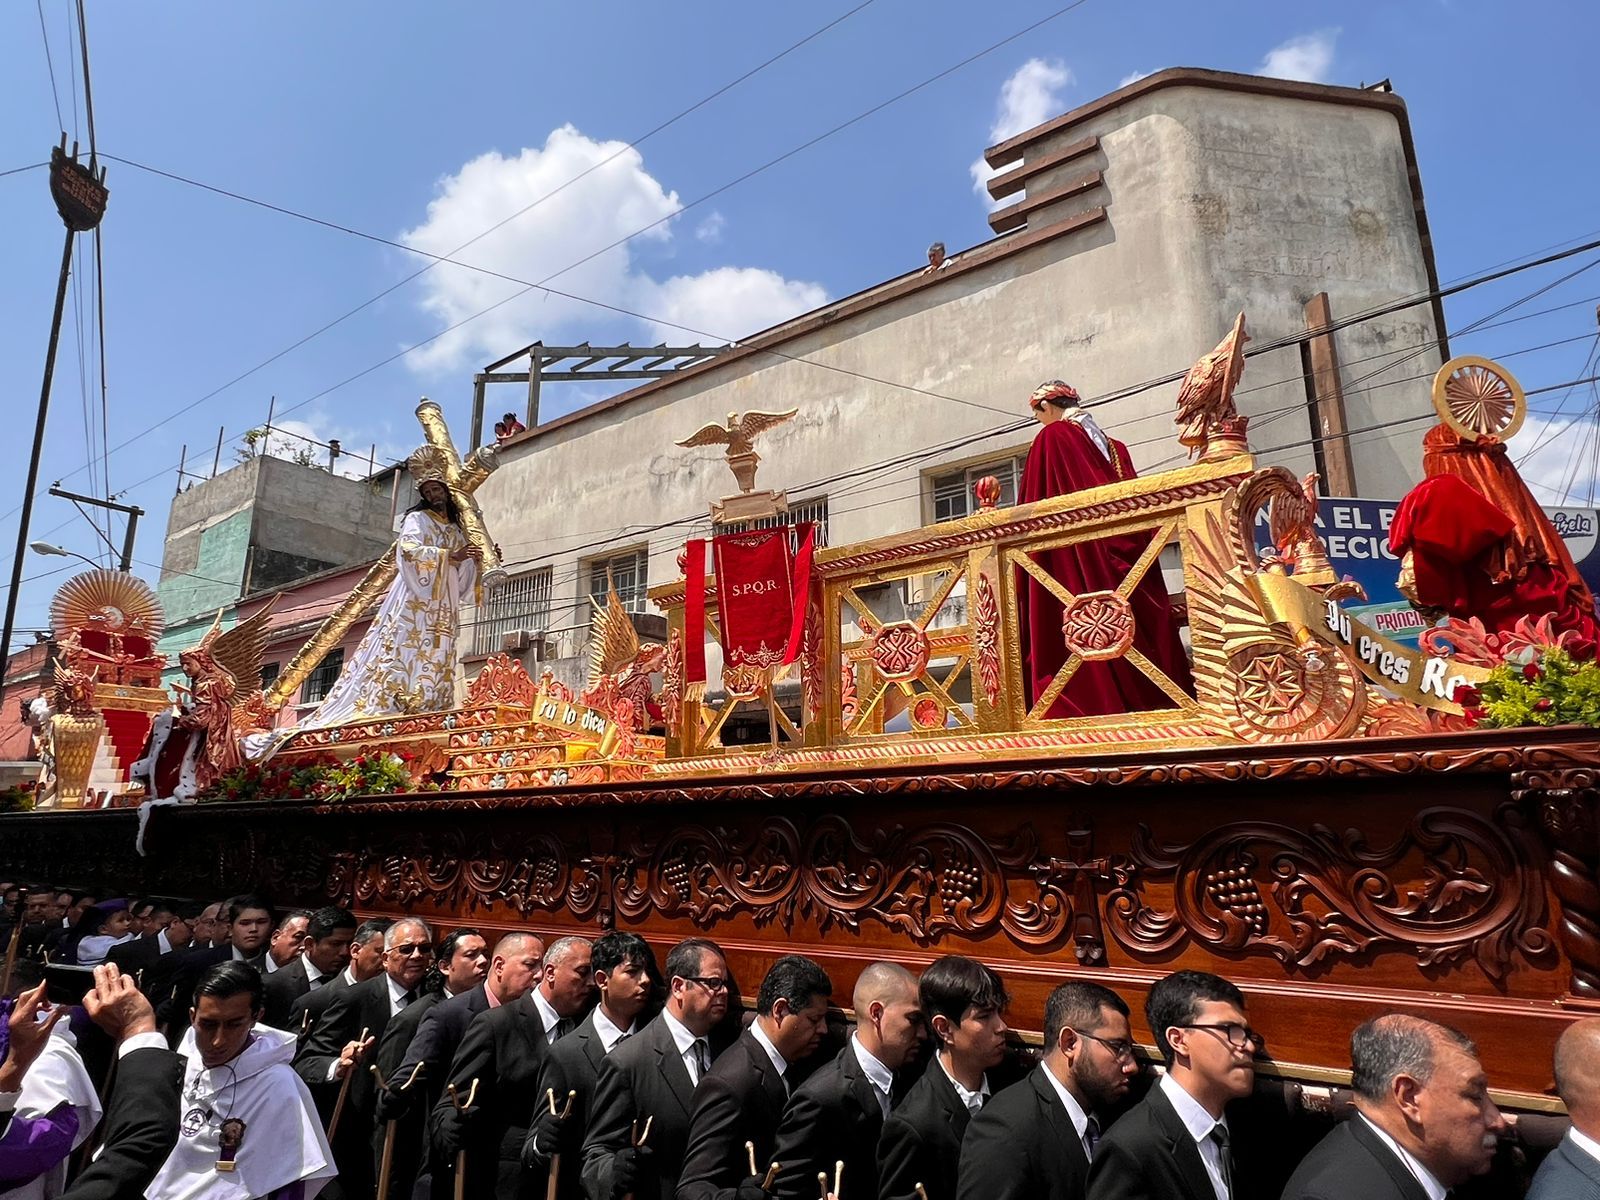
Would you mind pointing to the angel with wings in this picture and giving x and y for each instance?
(224, 693)
(620, 669)
(739, 436)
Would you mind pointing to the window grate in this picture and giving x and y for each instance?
(952, 493)
(320, 682)
(628, 574)
(814, 510)
(521, 603)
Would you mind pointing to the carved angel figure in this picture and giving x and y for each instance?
(739, 435)
(1205, 398)
(225, 698)
(619, 668)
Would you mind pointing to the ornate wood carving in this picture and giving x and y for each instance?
(986, 639)
(1568, 804)
(1305, 897)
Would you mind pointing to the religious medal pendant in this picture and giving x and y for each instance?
(230, 1138)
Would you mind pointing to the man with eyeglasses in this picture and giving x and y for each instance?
(1178, 1141)
(652, 1077)
(342, 1042)
(503, 1051)
(1037, 1138)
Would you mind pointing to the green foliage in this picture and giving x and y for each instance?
(1555, 690)
(18, 798)
(380, 773)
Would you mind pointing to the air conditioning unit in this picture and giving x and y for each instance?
(541, 643)
(516, 642)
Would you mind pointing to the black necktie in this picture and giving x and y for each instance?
(1219, 1134)
(563, 1027)
(1091, 1137)
(407, 999)
(702, 1058)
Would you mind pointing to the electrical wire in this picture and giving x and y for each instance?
(55, 93)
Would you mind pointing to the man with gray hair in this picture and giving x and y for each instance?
(503, 1050)
(344, 1037)
(1572, 1170)
(1423, 1123)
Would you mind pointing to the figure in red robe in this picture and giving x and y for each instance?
(1479, 545)
(1069, 454)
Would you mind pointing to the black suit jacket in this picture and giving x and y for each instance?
(133, 958)
(643, 1077)
(349, 1010)
(434, 1046)
(739, 1100)
(1567, 1173)
(921, 1140)
(1353, 1161)
(283, 987)
(1023, 1146)
(573, 1065)
(834, 1115)
(503, 1050)
(1148, 1152)
(140, 1128)
(188, 966)
(411, 1124)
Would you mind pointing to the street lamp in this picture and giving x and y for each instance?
(47, 548)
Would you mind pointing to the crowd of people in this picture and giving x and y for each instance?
(246, 1053)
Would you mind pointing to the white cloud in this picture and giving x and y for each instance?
(1555, 473)
(1308, 58)
(1133, 77)
(306, 441)
(710, 229)
(615, 199)
(1030, 97)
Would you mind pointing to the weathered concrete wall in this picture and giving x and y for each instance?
(1215, 201)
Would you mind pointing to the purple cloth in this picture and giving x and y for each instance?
(7, 1003)
(31, 1146)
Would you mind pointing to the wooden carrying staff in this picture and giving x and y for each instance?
(386, 1164)
(772, 1169)
(838, 1180)
(639, 1136)
(461, 1155)
(555, 1155)
(14, 946)
(344, 1091)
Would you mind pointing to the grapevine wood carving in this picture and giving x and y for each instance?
(1309, 897)
(1568, 804)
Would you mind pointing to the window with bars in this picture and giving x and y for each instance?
(814, 510)
(521, 603)
(628, 574)
(320, 682)
(269, 674)
(952, 492)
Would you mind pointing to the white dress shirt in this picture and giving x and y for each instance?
(778, 1061)
(683, 1038)
(163, 943)
(610, 1035)
(397, 996)
(269, 964)
(314, 978)
(1075, 1113)
(878, 1075)
(1585, 1143)
(973, 1100)
(349, 975)
(1199, 1123)
(1430, 1184)
(548, 1016)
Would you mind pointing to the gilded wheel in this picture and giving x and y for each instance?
(1477, 397)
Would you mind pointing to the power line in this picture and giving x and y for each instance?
(55, 93)
(20, 170)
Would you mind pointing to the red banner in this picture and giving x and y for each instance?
(761, 595)
(694, 612)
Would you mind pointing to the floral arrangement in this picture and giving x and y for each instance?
(18, 798)
(375, 773)
(1551, 688)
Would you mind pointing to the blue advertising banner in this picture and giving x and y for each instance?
(1356, 533)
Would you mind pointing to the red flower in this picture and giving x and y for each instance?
(1466, 695)
(1543, 704)
(1531, 672)
(1474, 714)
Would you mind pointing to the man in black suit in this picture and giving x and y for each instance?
(341, 1044)
(139, 958)
(249, 926)
(624, 972)
(1035, 1139)
(366, 962)
(461, 960)
(654, 1076)
(1572, 1170)
(964, 1003)
(1423, 1123)
(837, 1114)
(1178, 1142)
(503, 1051)
(326, 952)
(741, 1099)
(516, 965)
(286, 941)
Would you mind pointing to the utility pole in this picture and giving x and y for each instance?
(133, 511)
(80, 195)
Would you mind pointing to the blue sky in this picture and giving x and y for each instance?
(426, 123)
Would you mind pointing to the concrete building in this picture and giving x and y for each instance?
(1136, 227)
(263, 525)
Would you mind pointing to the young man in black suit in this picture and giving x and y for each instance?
(325, 952)
(341, 1045)
(516, 964)
(837, 1114)
(963, 1001)
(249, 926)
(503, 1050)
(741, 1099)
(1178, 1142)
(624, 975)
(653, 1076)
(1423, 1123)
(1036, 1138)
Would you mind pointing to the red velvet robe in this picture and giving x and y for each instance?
(1062, 460)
